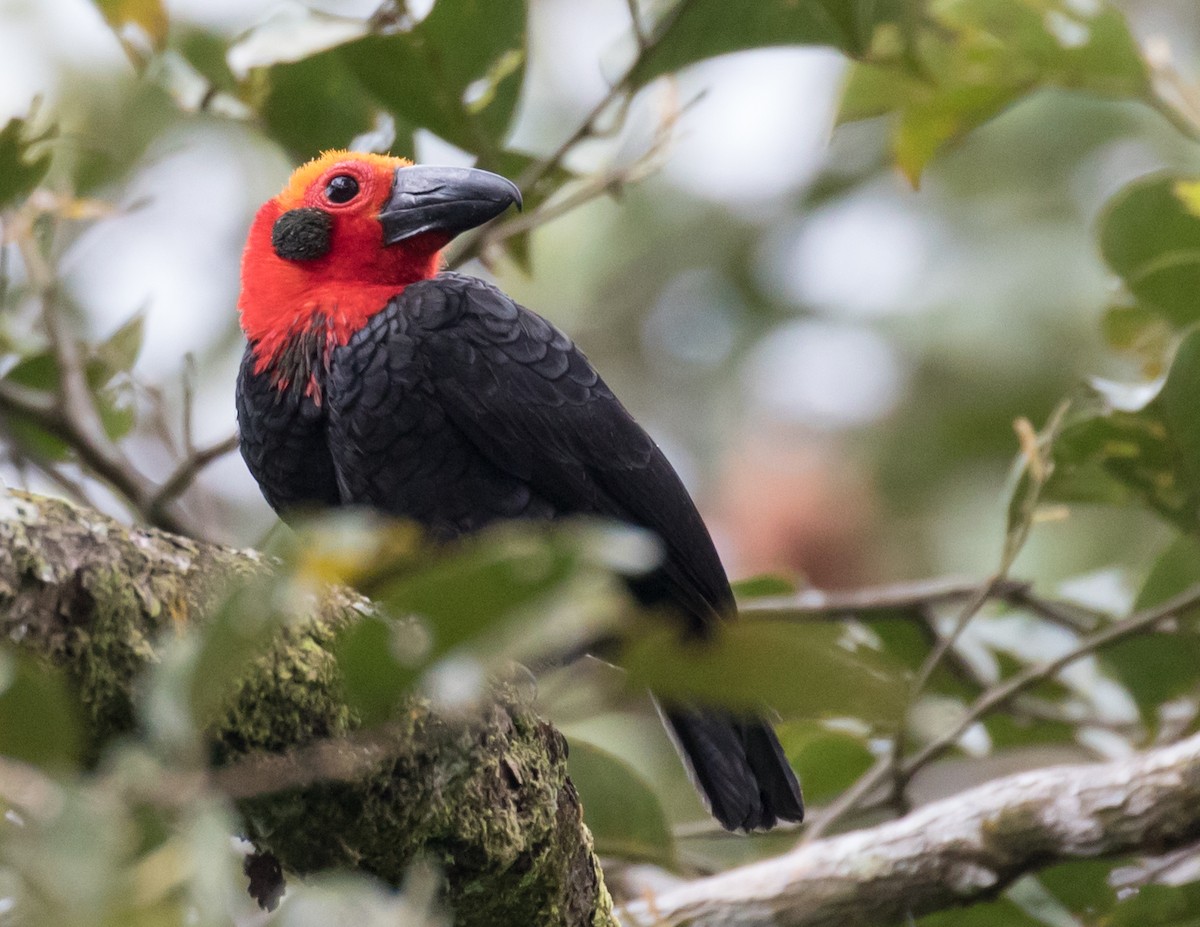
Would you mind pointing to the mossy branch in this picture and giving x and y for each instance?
(486, 798)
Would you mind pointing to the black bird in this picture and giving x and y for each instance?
(372, 379)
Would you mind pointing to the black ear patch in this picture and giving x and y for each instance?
(302, 234)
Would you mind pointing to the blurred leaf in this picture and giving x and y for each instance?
(240, 632)
(1141, 333)
(1176, 570)
(373, 679)
(699, 29)
(827, 761)
(314, 105)
(763, 586)
(488, 581)
(619, 807)
(1158, 667)
(802, 670)
(1121, 446)
(1084, 887)
(458, 73)
(1081, 885)
(206, 52)
(471, 593)
(1000, 913)
(900, 630)
(72, 867)
(1181, 412)
(39, 717)
(1009, 733)
(292, 33)
(121, 123)
(1158, 906)
(23, 164)
(37, 371)
(1155, 667)
(147, 16)
(117, 410)
(974, 58)
(119, 352)
(34, 439)
(1150, 236)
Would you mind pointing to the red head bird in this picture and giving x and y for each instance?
(372, 379)
(349, 232)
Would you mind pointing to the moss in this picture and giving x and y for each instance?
(485, 798)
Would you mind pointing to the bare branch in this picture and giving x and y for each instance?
(923, 592)
(185, 474)
(952, 852)
(1004, 692)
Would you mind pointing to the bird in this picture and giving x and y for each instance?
(371, 377)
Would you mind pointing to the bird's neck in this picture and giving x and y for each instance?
(289, 309)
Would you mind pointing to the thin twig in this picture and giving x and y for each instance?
(186, 471)
(819, 603)
(1005, 691)
(850, 799)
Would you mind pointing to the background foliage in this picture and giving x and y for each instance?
(834, 344)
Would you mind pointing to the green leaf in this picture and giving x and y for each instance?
(34, 438)
(482, 586)
(1158, 667)
(39, 717)
(1141, 333)
(801, 670)
(1155, 668)
(24, 161)
(1150, 236)
(971, 59)
(205, 51)
(1181, 412)
(37, 371)
(147, 16)
(999, 913)
(619, 807)
(373, 679)
(1175, 571)
(766, 585)
(119, 352)
(471, 594)
(315, 104)
(1159, 906)
(117, 410)
(458, 73)
(1117, 447)
(827, 761)
(693, 30)
(241, 631)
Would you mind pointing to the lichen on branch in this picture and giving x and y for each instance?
(485, 796)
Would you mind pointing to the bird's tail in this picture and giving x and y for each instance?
(737, 765)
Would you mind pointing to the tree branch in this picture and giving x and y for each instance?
(955, 851)
(484, 795)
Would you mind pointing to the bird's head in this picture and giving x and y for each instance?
(349, 232)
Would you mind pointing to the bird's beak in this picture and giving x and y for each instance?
(448, 200)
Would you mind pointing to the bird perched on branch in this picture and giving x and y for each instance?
(371, 378)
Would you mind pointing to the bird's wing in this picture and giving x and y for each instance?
(529, 401)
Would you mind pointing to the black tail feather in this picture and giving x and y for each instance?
(738, 766)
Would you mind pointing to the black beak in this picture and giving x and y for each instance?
(449, 200)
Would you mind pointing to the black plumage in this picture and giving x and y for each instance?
(456, 407)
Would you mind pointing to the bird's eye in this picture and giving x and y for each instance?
(341, 189)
